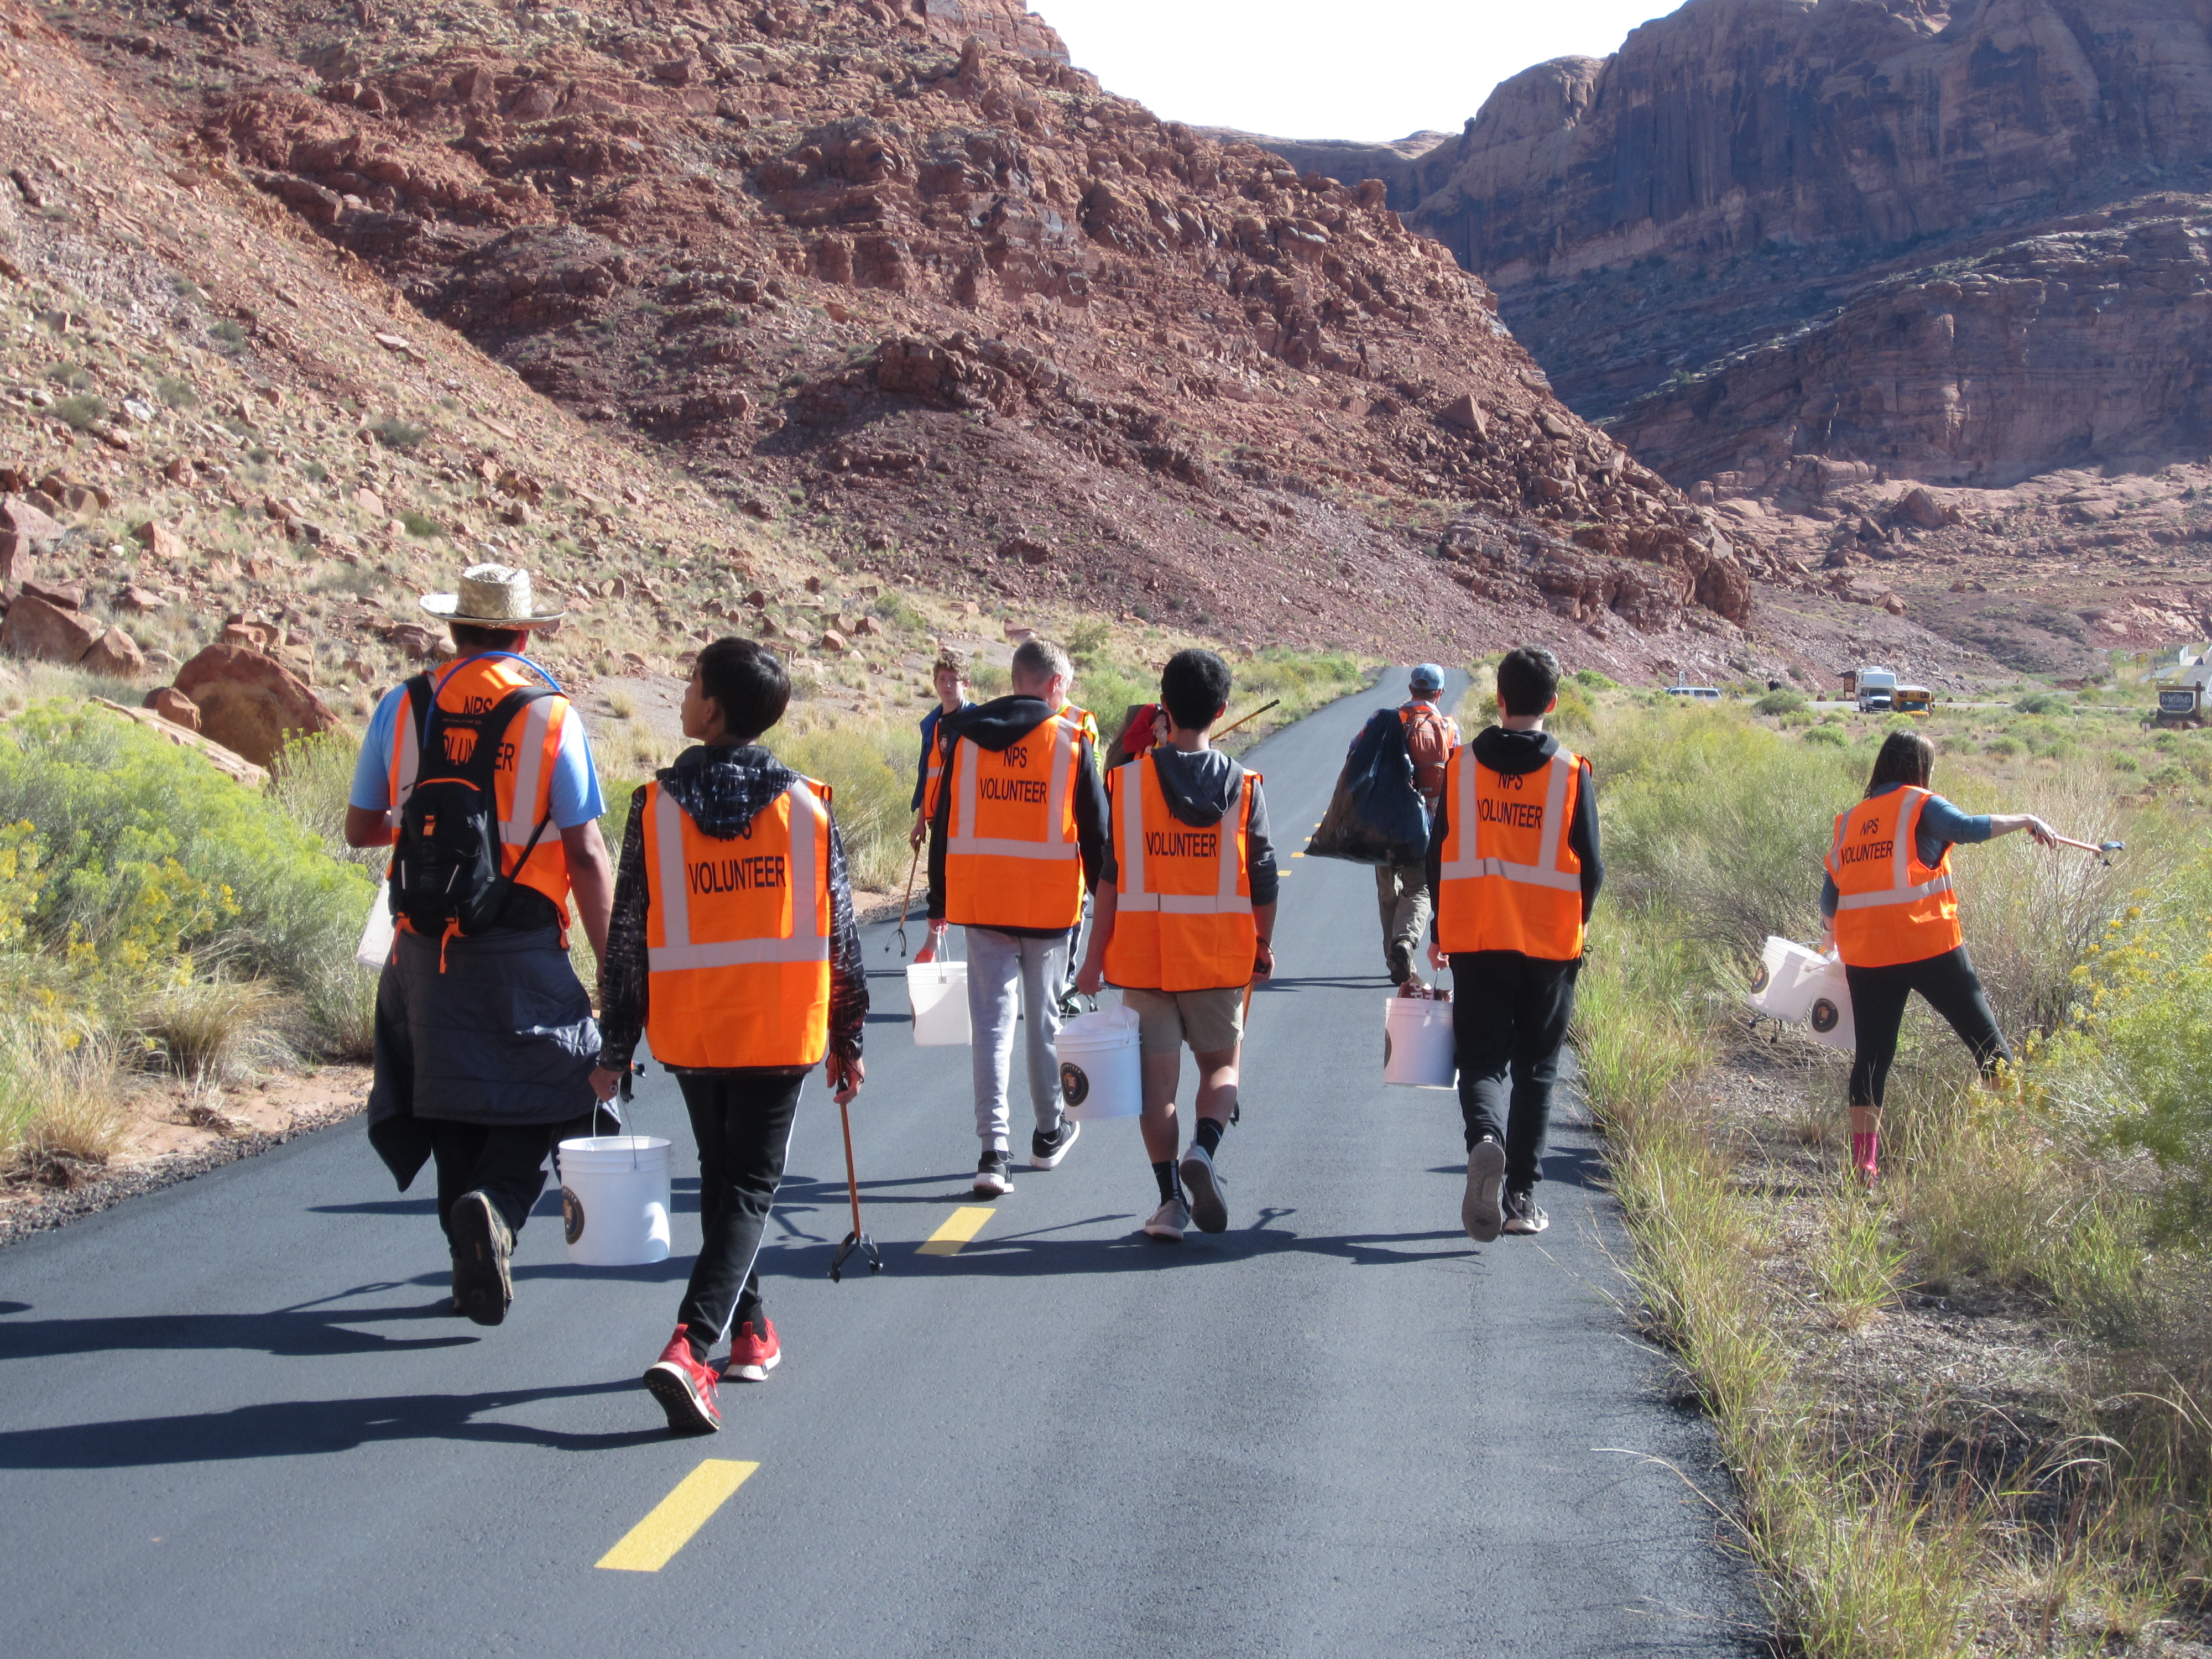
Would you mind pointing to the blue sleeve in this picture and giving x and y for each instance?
(1943, 821)
(372, 771)
(922, 767)
(1831, 897)
(575, 797)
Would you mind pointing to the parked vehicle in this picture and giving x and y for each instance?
(1876, 689)
(1913, 700)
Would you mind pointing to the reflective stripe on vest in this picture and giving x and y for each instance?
(1182, 940)
(1129, 859)
(672, 898)
(1028, 874)
(1875, 926)
(1059, 824)
(1492, 901)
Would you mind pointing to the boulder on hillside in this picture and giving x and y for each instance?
(67, 596)
(159, 539)
(1917, 507)
(40, 529)
(35, 628)
(115, 654)
(1467, 414)
(250, 702)
(175, 707)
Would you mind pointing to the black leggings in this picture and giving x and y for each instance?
(1878, 999)
(743, 1125)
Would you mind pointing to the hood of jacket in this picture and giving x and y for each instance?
(998, 724)
(1513, 752)
(722, 789)
(1197, 785)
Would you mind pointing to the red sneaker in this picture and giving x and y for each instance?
(754, 1354)
(684, 1387)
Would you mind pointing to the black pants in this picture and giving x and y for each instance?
(1878, 999)
(1509, 1016)
(503, 1161)
(742, 1126)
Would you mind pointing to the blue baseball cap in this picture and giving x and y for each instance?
(1426, 678)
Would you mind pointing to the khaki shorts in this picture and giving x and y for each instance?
(1209, 1021)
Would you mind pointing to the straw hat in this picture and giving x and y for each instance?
(491, 595)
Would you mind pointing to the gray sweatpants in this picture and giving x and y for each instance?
(998, 964)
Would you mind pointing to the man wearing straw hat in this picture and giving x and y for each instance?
(484, 1037)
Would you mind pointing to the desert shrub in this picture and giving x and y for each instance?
(395, 434)
(869, 766)
(1828, 737)
(1784, 702)
(80, 410)
(176, 393)
(2040, 702)
(2002, 746)
(421, 525)
(310, 778)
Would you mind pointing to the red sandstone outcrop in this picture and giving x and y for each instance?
(251, 703)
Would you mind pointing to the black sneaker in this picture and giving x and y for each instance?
(1047, 1150)
(1402, 964)
(481, 1245)
(1478, 1210)
(1523, 1214)
(993, 1175)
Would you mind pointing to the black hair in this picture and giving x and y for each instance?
(1527, 680)
(748, 682)
(469, 638)
(1194, 686)
(1904, 757)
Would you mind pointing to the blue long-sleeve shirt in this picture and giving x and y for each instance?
(1941, 827)
(928, 746)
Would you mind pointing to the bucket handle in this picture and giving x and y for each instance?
(628, 1093)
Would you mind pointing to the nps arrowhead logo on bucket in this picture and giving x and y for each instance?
(1074, 1083)
(1762, 980)
(572, 1214)
(1826, 1016)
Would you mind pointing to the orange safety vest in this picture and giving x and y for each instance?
(1011, 858)
(1892, 908)
(522, 777)
(934, 769)
(1182, 911)
(1507, 879)
(1084, 723)
(736, 933)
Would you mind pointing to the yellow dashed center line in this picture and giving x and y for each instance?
(653, 1542)
(962, 1224)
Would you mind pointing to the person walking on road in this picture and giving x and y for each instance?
(1891, 915)
(1401, 891)
(1019, 833)
(1515, 869)
(1185, 922)
(733, 948)
(950, 676)
(484, 1037)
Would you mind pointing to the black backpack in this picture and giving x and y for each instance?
(445, 866)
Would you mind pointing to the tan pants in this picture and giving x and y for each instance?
(1401, 892)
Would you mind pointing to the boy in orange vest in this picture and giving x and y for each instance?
(744, 978)
(1514, 869)
(1185, 920)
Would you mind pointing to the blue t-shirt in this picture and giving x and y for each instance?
(1941, 826)
(575, 799)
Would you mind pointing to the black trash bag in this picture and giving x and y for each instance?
(1376, 815)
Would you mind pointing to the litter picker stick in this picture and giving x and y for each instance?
(905, 905)
(1254, 715)
(2091, 845)
(855, 1239)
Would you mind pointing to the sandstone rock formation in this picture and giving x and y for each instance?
(251, 703)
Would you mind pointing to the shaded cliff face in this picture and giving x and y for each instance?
(904, 269)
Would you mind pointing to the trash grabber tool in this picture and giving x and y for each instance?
(855, 1239)
(905, 905)
(2104, 849)
(1254, 715)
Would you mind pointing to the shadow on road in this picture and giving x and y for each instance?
(308, 1428)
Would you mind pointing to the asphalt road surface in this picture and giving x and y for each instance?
(234, 1418)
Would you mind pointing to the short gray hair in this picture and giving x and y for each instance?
(1036, 660)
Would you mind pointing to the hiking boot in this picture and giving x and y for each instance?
(1047, 1150)
(755, 1353)
(1523, 1214)
(993, 1175)
(1401, 963)
(1168, 1221)
(685, 1387)
(481, 1245)
(1479, 1212)
(1201, 1186)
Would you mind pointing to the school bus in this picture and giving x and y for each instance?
(1912, 699)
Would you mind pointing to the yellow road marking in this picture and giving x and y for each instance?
(653, 1542)
(962, 1224)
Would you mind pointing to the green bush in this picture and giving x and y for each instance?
(869, 769)
(1828, 737)
(2041, 702)
(417, 525)
(395, 434)
(2002, 746)
(1784, 702)
(82, 411)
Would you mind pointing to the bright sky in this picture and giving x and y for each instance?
(1299, 69)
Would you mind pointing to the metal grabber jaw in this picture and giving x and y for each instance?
(865, 1245)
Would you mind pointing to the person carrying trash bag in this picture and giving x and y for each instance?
(1185, 922)
(1890, 913)
(1378, 814)
(1019, 830)
(479, 777)
(734, 950)
(1402, 889)
(1515, 868)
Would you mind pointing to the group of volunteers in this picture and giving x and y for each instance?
(726, 934)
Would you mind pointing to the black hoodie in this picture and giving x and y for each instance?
(721, 790)
(1515, 754)
(998, 725)
(1195, 785)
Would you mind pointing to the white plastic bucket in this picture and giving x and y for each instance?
(1418, 1051)
(614, 1200)
(1100, 1074)
(376, 930)
(1787, 978)
(938, 992)
(1828, 1015)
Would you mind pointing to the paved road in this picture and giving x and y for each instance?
(233, 1419)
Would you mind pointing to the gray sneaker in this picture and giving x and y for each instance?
(482, 1246)
(1168, 1221)
(1201, 1186)
(1523, 1214)
(1479, 1211)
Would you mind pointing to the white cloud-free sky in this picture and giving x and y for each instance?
(1300, 69)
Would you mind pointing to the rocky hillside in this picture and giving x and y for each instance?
(901, 290)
